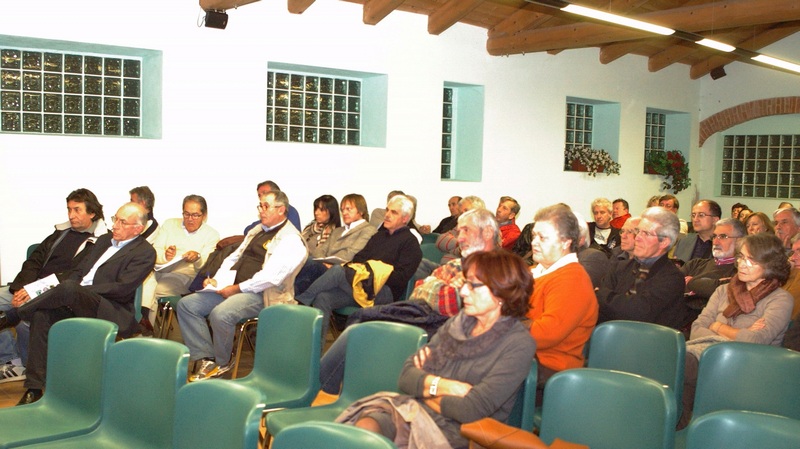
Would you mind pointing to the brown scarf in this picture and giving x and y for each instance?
(741, 300)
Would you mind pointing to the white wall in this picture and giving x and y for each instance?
(214, 102)
(744, 83)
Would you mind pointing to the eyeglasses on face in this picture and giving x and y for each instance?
(645, 233)
(193, 216)
(121, 222)
(723, 237)
(701, 215)
(472, 286)
(266, 206)
(746, 260)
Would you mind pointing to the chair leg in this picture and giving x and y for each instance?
(163, 319)
(239, 337)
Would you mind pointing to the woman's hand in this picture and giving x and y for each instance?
(757, 325)
(421, 356)
(450, 387)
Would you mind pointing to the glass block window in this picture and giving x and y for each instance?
(64, 92)
(655, 132)
(313, 109)
(761, 166)
(580, 120)
(447, 133)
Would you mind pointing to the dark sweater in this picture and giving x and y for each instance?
(400, 250)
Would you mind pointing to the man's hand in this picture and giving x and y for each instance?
(229, 291)
(20, 298)
(191, 256)
(209, 281)
(169, 253)
(687, 279)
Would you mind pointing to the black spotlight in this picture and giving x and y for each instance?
(216, 19)
(718, 72)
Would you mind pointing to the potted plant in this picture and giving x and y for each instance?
(672, 166)
(590, 160)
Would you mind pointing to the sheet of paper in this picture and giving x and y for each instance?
(169, 266)
(40, 286)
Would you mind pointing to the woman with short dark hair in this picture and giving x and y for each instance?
(472, 367)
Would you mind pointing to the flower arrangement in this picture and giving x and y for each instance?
(590, 160)
(672, 166)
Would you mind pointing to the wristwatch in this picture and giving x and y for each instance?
(434, 386)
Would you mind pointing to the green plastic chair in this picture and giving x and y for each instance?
(142, 377)
(607, 409)
(330, 435)
(286, 363)
(31, 249)
(71, 403)
(430, 238)
(736, 429)
(746, 376)
(649, 350)
(522, 415)
(217, 414)
(165, 315)
(375, 354)
(431, 252)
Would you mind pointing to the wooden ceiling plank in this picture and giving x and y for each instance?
(449, 14)
(377, 10)
(669, 56)
(691, 18)
(611, 52)
(299, 6)
(526, 17)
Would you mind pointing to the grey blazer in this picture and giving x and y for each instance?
(345, 246)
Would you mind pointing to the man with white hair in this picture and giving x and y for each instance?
(602, 235)
(448, 242)
(787, 224)
(649, 287)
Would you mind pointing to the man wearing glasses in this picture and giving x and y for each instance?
(703, 276)
(649, 287)
(697, 244)
(259, 273)
(182, 246)
(102, 286)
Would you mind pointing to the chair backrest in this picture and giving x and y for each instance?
(137, 303)
(736, 429)
(747, 376)
(142, 378)
(217, 413)
(522, 414)
(607, 409)
(431, 252)
(288, 350)
(77, 348)
(31, 249)
(649, 350)
(375, 354)
(331, 435)
(430, 238)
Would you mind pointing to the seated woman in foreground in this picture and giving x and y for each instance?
(751, 308)
(471, 369)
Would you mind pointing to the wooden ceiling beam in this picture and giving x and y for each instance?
(755, 43)
(449, 14)
(695, 18)
(669, 56)
(377, 10)
(299, 6)
(611, 52)
(528, 16)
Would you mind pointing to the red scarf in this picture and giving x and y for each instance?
(742, 300)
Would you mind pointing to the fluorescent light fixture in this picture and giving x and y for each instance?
(777, 63)
(716, 45)
(619, 20)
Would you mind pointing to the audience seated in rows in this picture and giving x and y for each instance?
(258, 274)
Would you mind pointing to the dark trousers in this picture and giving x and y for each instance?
(67, 300)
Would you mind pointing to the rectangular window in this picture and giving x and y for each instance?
(52, 92)
(761, 166)
(313, 109)
(580, 120)
(655, 132)
(447, 132)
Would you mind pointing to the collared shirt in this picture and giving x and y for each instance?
(539, 270)
(269, 228)
(352, 225)
(113, 249)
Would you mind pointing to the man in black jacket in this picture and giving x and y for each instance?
(102, 286)
(57, 254)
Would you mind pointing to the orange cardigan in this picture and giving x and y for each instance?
(563, 313)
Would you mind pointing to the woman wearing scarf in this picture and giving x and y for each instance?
(751, 308)
(326, 219)
(471, 369)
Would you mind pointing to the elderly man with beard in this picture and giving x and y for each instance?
(703, 276)
(433, 301)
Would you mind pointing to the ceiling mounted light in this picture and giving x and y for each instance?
(716, 45)
(777, 63)
(618, 20)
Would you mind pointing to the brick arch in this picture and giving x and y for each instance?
(745, 112)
